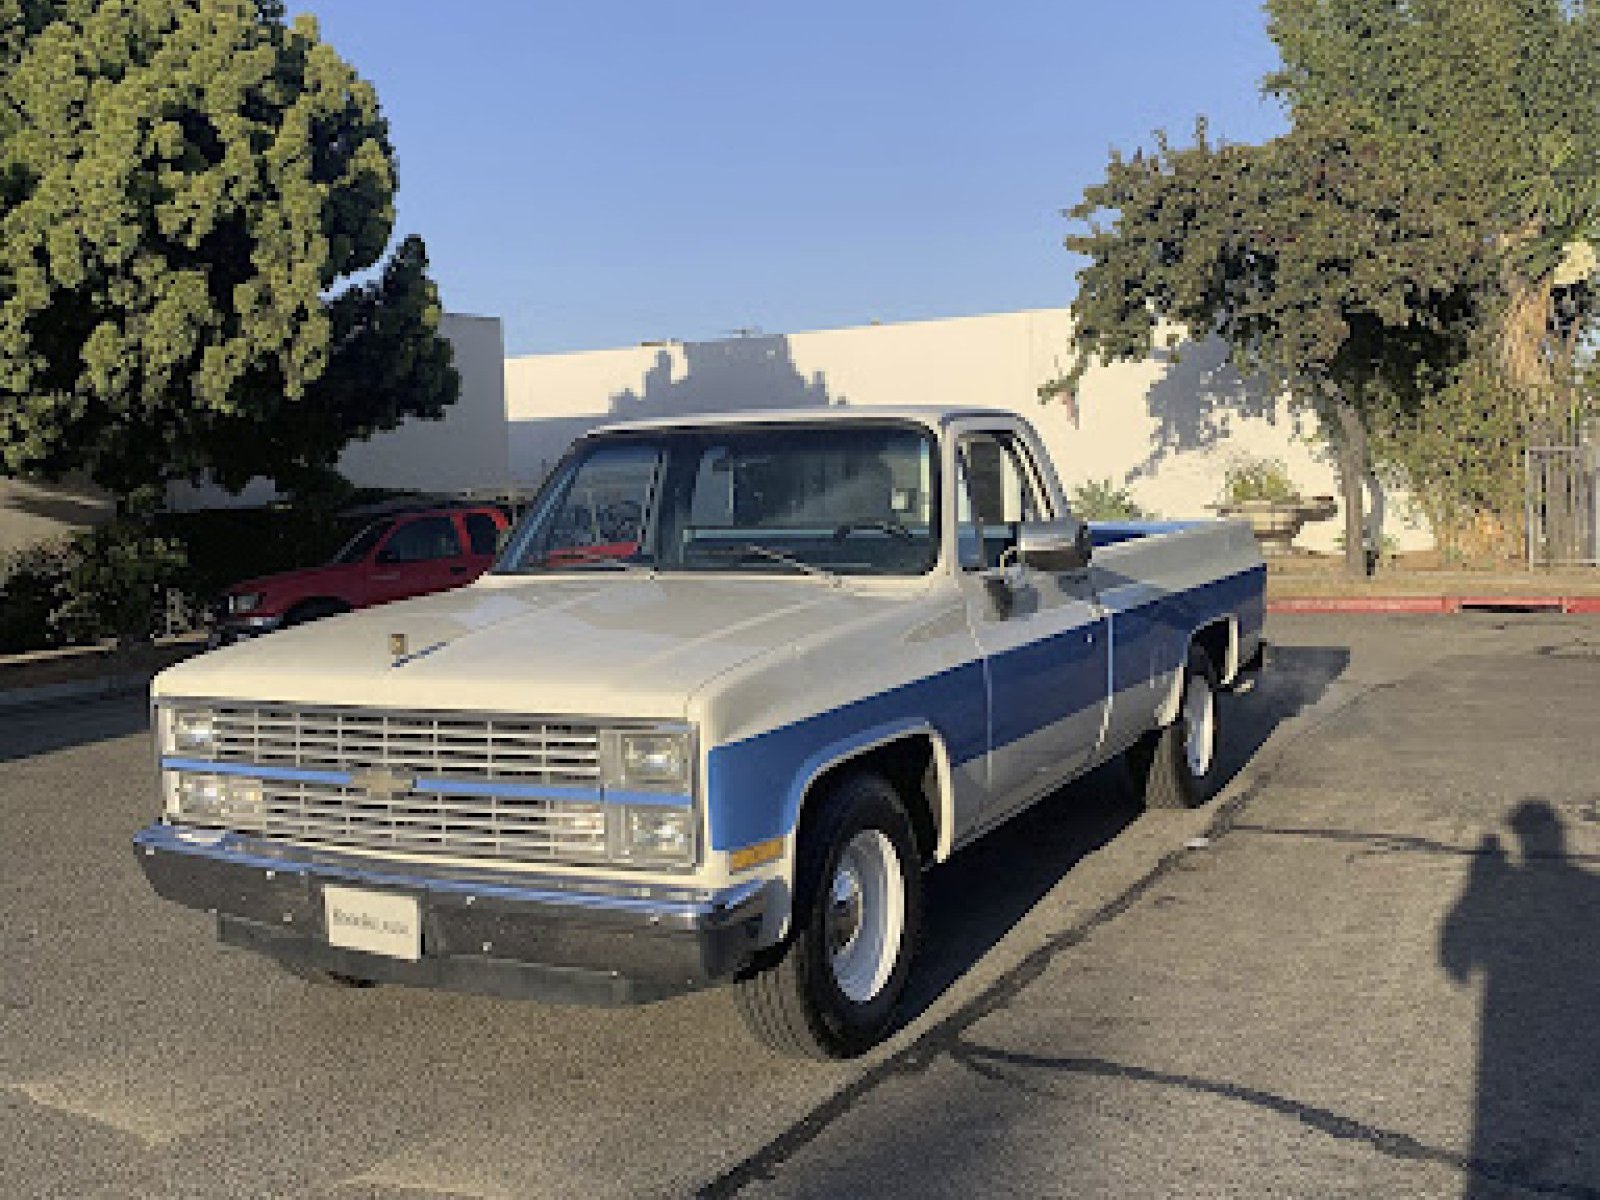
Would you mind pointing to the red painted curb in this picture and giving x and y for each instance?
(1433, 604)
(1358, 604)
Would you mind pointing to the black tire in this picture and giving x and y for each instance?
(313, 610)
(1161, 762)
(793, 1001)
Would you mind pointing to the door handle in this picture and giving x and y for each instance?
(458, 570)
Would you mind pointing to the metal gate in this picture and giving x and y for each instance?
(1564, 505)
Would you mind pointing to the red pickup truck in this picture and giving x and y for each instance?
(405, 554)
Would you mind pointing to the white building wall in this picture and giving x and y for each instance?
(466, 450)
(1165, 429)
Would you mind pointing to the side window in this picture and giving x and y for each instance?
(482, 532)
(422, 540)
(998, 491)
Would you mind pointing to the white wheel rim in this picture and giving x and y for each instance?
(1199, 725)
(866, 915)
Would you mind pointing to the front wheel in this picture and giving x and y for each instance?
(1176, 767)
(830, 991)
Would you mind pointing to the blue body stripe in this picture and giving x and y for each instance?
(754, 787)
(487, 787)
(1046, 681)
(287, 774)
(447, 787)
(1109, 533)
(1156, 630)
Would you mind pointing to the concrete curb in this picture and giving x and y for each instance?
(75, 689)
(1434, 604)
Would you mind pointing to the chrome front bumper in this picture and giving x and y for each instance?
(489, 931)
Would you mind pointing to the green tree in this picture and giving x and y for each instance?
(183, 186)
(1336, 261)
(1500, 95)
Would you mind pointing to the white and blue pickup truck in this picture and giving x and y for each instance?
(733, 684)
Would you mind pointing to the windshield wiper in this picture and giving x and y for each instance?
(746, 549)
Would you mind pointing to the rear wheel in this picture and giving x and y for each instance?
(1176, 767)
(830, 990)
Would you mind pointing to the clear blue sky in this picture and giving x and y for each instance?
(604, 172)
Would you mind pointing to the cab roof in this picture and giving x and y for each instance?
(934, 417)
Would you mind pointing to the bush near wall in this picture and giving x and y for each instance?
(33, 584)
(111, 582)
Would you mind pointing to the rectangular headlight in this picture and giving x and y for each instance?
(647, 760)
(653, 834)
(193, 731)
(206, 799)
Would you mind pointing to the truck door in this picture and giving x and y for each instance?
(1043, 636)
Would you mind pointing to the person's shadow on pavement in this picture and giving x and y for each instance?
(1532, 929)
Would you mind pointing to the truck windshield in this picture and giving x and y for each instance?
(841, 499)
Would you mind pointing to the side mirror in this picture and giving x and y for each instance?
(1054, 546)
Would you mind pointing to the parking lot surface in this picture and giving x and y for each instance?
(1369, 967)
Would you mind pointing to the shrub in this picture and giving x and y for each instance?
(33, 585)
(1259, 479)
(116, 582)
(1103, 500)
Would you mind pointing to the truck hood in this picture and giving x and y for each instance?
(607, 647)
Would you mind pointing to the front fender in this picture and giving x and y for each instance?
(736, 791)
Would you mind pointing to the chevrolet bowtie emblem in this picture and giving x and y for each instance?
(382, 784)
(397, 645)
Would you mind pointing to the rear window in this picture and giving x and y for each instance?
(482, 532)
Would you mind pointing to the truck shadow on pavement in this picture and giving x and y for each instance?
(44, 728)
(1529, 926)
(981, 894)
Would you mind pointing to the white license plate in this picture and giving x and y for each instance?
(377, 922)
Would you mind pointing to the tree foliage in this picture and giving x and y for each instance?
(1453, 151)
(1502, 94)
(183, 183)
(1335, 261)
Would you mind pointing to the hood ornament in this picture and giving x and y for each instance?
(397, 645)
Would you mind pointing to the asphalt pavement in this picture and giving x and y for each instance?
(1368, 968)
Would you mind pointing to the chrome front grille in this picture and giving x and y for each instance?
(441, 758)
(531, 829)
(510, 748)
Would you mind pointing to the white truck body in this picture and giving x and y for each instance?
(994, 685)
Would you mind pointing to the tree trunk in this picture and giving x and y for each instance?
(1353, 469)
